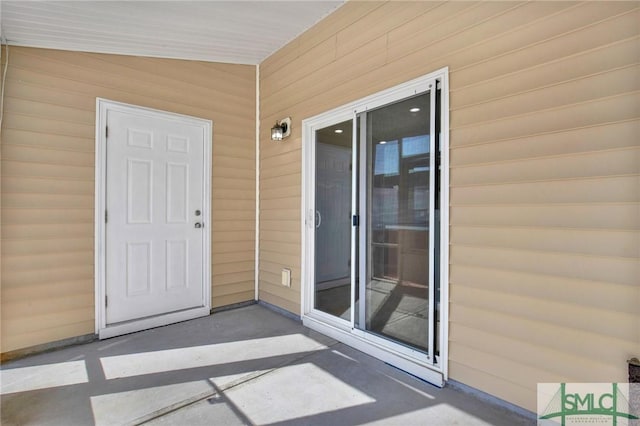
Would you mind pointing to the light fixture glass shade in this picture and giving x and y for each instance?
(281, 129)
(276, 132)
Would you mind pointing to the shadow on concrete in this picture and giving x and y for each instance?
(246, 366)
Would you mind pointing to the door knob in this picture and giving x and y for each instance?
(199, 225)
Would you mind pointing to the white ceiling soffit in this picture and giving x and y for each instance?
(244, 32)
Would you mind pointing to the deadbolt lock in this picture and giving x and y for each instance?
(197, 212)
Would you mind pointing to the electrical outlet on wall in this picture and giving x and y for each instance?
(286, 277)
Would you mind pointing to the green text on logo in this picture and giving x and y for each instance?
(566, 404)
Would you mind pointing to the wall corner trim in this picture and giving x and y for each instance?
(257, 234)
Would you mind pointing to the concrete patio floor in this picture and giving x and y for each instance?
(244, 366)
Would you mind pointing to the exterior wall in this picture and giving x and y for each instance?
(48, 140)
(545, 173)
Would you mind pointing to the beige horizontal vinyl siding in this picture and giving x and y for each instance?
(545, 173)
(48, 140)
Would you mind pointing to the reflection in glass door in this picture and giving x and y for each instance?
(333, 189)
(396, 292)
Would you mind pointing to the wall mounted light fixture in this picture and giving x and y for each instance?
(281, 129)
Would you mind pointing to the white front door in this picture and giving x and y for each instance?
(156, 217)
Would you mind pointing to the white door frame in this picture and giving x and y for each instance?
(101, 328)
(434, 372)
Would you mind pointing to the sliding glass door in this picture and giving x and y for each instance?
(399, 154)
(373, 221)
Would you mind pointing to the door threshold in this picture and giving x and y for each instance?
(419, 369)
(121, 328)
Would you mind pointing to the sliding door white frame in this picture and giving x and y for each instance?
(430, 368)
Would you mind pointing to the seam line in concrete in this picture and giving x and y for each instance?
(208, 394)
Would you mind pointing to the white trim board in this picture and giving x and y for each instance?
(101, 327)
(256, 271)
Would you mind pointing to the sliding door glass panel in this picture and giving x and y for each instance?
(332, 291)
(396, 294)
